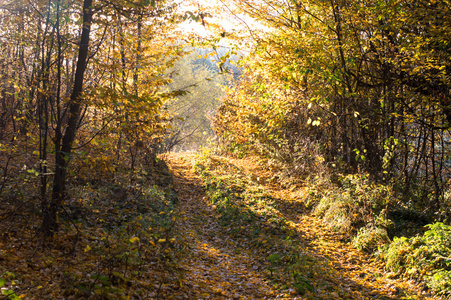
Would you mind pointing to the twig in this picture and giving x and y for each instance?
(5, 171)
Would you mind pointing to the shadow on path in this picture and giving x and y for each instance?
(218, 265)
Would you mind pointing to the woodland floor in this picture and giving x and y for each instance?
(217, 267)
(116, 248)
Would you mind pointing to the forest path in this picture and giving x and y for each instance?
(212, 269)
(215, 268)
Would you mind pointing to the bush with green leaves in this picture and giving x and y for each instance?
(425, 257)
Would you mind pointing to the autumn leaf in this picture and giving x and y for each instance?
(134, 239)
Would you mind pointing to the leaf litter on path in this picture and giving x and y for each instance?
(213, 269)
(218, 265)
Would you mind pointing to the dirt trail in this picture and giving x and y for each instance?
(214, 269)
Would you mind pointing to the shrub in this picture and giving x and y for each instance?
(370, 237)
(426, 257)
(352, 202)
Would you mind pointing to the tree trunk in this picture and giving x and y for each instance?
(64, 146)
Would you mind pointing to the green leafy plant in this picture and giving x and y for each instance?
(6, 279)
(425, 257)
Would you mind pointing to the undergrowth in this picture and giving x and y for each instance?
(131, 230)
(351, 202)
(381, 221)
(116, 241)
(369, 214)
(425, 257)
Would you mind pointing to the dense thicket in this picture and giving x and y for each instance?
(365, 83)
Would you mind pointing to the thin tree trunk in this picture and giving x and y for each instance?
(62, 153)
